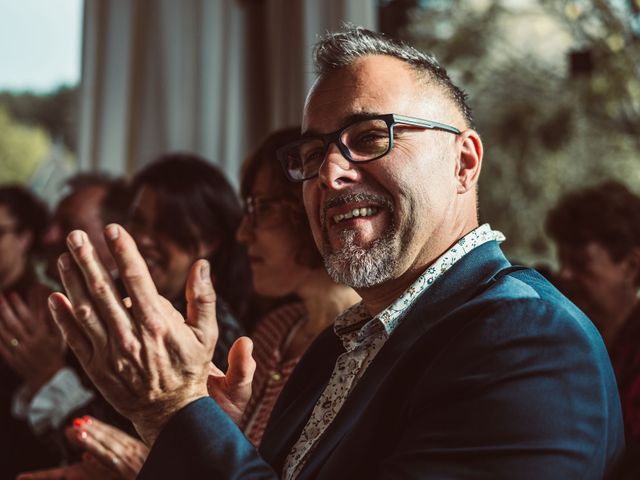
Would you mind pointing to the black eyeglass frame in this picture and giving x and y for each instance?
(391, 119)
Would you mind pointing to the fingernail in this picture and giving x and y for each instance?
(75, 239)
(83, 435)
(205, 274)
(112, 232)
(86, 419)
(52, 304)
(64, 262)
(78, 422)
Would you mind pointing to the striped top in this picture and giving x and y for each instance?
(270, 339)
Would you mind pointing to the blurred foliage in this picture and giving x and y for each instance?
(554, 89)
(22, 148)
(56, 112)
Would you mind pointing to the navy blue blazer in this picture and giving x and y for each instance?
(491, 374)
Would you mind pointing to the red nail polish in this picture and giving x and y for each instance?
(86, 419)
(78, 422)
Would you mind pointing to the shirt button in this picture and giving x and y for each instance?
(276, 376)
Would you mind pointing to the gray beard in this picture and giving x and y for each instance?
(363, 267)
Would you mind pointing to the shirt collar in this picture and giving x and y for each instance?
(355, 324)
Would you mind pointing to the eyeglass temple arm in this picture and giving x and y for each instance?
(425, 123)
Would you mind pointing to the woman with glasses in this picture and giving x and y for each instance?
(284, 261)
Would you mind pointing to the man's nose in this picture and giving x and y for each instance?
(336, 171)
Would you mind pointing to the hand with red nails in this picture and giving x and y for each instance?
(30, 343)
(148, 361)
(120, 453)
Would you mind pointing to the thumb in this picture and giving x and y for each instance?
(242, 366)
(201, 303)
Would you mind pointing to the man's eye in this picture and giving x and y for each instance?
(370, 142)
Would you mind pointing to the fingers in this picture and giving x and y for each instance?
(73, 335)
(133, 269)
(25, 315)
(11, 325)
(201, 303)
(99, 286)
(112, 447)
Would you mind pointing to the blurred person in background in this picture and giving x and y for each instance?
(23, 220)
(285, 264)
(597, 234)
(184, 209)
(92, 200)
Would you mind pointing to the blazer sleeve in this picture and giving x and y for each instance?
(202, 442)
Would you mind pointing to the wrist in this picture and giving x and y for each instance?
(151, 423)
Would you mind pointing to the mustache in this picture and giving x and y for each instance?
(344, 199)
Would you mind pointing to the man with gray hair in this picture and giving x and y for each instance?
(455, 364)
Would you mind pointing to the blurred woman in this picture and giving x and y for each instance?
(185, 209)
(31, 347)
(284, 261)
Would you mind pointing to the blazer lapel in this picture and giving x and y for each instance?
(474, 272)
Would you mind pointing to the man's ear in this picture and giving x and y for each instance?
(469, 160)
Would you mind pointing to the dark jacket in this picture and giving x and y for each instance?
(492, 374)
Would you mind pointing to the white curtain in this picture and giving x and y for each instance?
(208, 76)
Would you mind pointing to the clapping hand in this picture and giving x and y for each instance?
(146, 359)
(30, 343)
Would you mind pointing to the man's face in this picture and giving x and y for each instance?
(81, 210)
(408, 196)
(594, 281)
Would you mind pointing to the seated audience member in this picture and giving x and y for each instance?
(454, 365)
(184, 209)
(23, 220)
(284, 261)
(597, 234)
(91, 200)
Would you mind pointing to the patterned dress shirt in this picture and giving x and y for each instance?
(362, 338)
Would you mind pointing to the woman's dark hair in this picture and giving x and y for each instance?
(265, 158)
(30, 213)
(197, 204)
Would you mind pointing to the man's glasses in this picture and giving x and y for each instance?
(361, 141)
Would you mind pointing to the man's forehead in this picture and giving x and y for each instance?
(373, 85)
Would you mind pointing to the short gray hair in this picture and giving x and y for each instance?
(340, 49)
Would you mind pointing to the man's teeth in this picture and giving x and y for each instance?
(356, 212)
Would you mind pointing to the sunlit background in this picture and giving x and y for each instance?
(554, 85)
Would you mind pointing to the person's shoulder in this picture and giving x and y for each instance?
(524, 301)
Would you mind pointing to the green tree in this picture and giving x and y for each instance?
(22, 149)
(546, 130)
